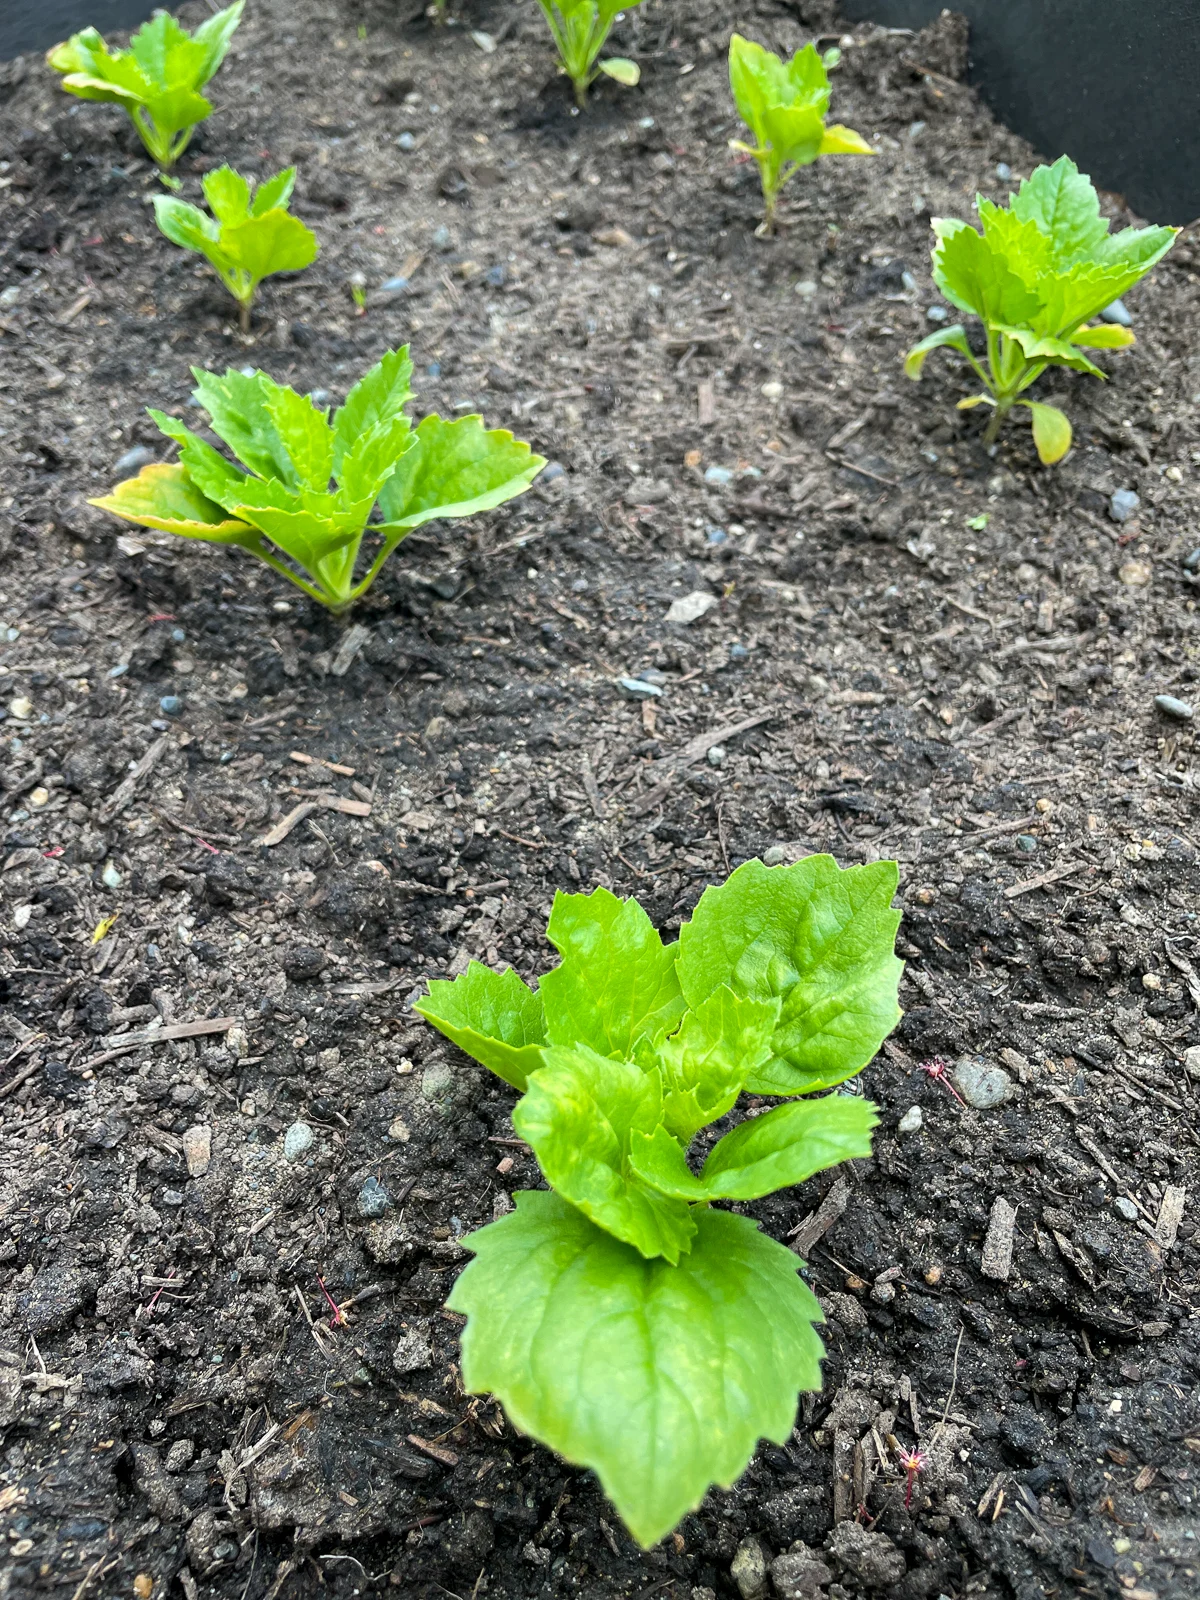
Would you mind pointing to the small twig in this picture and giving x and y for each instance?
(953, 1386)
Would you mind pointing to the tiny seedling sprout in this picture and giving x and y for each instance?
(580, 28)
(938, 1071)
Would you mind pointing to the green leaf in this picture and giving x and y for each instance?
(206, 468)
(660, 1379)
(454, 470)
(617, 980)
(184, 224)
(373, 458)
(277, 191)
(705, 1064)
(273, 242)
(794, 133)
(1066, 209)
(214, 35)
(1108, 337)
(783, 1147)
(817, 938)
(305, 434)
(379, 396)
(975, 277)
(493, 1016)
(954, 336)
(626, 72)
(228, 195)
(162, 497)
(237, 404)
(1051, 431)
(840, 141)
(1044, 347)
(578, 1114)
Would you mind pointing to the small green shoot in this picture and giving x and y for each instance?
(620, 1319)
(157, 80)
(1036, 276)
(784, 106)
(357, 284)
(310, 483)
(250, 236)
(580, 28)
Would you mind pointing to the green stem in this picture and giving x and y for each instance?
(284, 571)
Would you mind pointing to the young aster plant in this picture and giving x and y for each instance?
(1036, 276)
(784, 106)
(157, 80)
(618, 1317)
(247, 238)
(580, 28)
(311, 482)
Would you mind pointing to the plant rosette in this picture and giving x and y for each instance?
(305, 486)
(1036, 275)
(620, 1318)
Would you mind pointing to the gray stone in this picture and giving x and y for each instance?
(775, 856)
(937, 314)
(638, 689)
(1180, 710)
(718, 475)
(1125, 1208)
(297, 1141)
(438, 1082)
(1123, 504)
(800, 1574)
(867, 1556)
(53, 1298)
(197, 1149)
(1117, 313)
(1191, 562)
(690, 608)
(981, 1083)
(413, 1352)
(716, 755)
(911, 1121)
(373, 1199)
(133, 460)
(171, 705)
(180, 1455)
(748, 1570)
(845, 1310)
(1191, 1061)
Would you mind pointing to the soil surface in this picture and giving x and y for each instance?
(912, 648)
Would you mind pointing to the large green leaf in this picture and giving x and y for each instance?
(578, 1114)
(817, 938)
(237, 404)
(493, 1016)
(616, 981)
(379, 396)
(373, 457)
(782, 1147)
(207, 469)
(661, 1379)
(273, 242)
(794, 133)
(303, 431)
(162, 497)
(706, 1063)
(454, 470)
(1065, 207)
(975, 276)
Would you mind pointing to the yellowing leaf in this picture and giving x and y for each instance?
(1051, 431)
(626, 72)
(163, 497)
(104, 927)
(840, 141)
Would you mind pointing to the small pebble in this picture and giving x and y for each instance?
(718, 475)
(690, 608)
(172, 1197)
(170, 705)
(980, 1083)
(717, 535)
(738, 652)
(1123, 504)
(651, 675)
(442, 240)
(775, 856)
(296, 1141)
(1191, 563)
(637, 689)
(1003, 171)
(496, 277)
(406, 142)
(806, 288)
(716, 755)
(319, 397)
(393, 286)
(554, 470)
(21, 709)
(134, 460)
(937, 314)
(1135, 574)
(414, 1351)
(373, 1199)
(110, 877)
(1125, 1208)
(911, 1121)
(178, 635)
(1170, 707)
(772, 390)
(1026, 842)
(1118, 314)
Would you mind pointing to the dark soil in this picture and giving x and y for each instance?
(976, 698)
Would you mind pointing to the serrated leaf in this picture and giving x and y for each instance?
(237, 404)
(163, 497)
(841, 141)
(493, 1016)
(1051, 431)
(184, 224)
(616, 983)
(273, 242)
(975, 278)
(1111, 336)
(305, 434)
(661, 1379)
(206, 468)
(379, 396)
(783, 1147)
(578, 1113)
(228, 195)
(793, 133)
(215, 35)
(819, 939)
(455, 469)
(1065, 207)
(706, 1062)
(277, 191)
(373, 457)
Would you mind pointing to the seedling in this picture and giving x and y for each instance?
(1036, 276)
(938, 1071)
(310, 483)
(580, 28)
(618, 1317)
(157, 80)
(784, 106)
(914, 1463)
(250, 236)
